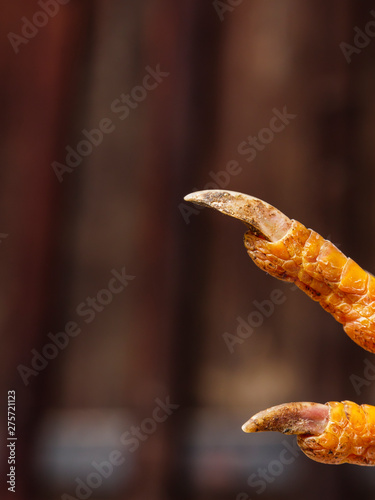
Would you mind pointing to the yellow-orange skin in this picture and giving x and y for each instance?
(321, 270)
(342, 288)
(345, 290)
(348, 437)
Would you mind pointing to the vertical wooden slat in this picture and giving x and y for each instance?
(36, 88)
(177, 141)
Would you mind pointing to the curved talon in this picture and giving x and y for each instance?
(262, 219)
(334, 433)
(290, 418)
(287, 250)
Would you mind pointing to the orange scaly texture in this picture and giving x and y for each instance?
(333, 433)
(322, 271)
(348, 437)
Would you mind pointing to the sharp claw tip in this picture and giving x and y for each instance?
(189, 197)
(249, 426)
(290, 418)
(204, 196)
(244, 428)
(261, 218)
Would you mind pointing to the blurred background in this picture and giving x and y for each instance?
(137, 334)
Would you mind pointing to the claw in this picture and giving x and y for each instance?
(290, 418)
(333, 433)
(337, 432)
(262, 219)
(286, 249)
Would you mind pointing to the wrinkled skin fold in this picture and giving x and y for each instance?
(318, 268)
(337, 432)
(334, 433)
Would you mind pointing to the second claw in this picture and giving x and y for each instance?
(290, 418)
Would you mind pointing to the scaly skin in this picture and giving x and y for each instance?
(319, 268)
(348, 437)
(333, 433)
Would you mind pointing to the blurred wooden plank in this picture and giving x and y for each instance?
(181, 121)
(37, 70)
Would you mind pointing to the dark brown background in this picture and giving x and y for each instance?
(163, 335)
